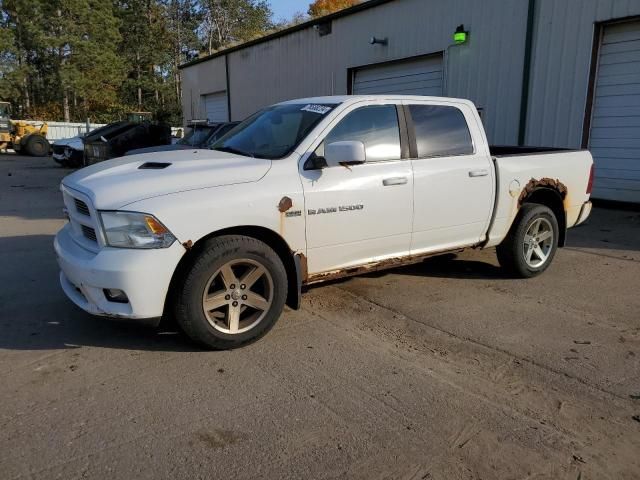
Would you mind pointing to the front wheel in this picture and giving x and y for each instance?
(531, 243)
(233, 293)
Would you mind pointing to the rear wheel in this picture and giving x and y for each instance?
(233, 294)
(532, 242)
(37, 146)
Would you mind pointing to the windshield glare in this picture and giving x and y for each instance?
(273, 132)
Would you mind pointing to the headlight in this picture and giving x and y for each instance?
(135, 230)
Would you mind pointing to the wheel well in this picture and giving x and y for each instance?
(553, 199)
(271, 238)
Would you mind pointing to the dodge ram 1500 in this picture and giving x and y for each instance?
(302, 192)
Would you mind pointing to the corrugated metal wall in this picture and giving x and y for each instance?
(488, 69)
(198, 80)
(561, 62)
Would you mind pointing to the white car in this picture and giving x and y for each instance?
(301, 192)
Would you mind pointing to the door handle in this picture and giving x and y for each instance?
(387, 182)
(479, 173)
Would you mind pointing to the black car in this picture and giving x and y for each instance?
(199, 135)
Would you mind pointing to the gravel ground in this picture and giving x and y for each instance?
(442, 370)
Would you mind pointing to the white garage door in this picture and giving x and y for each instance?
(215, 107)
(411, 77)
(615, 125)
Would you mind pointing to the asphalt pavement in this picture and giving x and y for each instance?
(442, 370)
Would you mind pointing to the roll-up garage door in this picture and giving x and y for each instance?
(615, 124)
(421, 76)
(215, 107)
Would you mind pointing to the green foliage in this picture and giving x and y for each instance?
(320, 8)
(73, 59)
(231, 21)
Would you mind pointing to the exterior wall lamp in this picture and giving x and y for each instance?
(460, 35)
(380, 41)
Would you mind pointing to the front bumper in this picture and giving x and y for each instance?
(144, 276)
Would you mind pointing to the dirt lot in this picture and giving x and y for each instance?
(442, 370)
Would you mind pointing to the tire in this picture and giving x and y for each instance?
(37, 146)
(517, 254)
(243, 283)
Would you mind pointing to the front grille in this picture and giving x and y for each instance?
(84, 225)
(81, 207)
(89, 233)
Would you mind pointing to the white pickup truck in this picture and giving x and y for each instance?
(302, 192)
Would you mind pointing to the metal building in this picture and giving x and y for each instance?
(562, 73)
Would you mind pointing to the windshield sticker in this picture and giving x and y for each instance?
(321, 109)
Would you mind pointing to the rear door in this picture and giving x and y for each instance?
(453, 176)
(359, 213)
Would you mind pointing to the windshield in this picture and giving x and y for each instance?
(196, 136)
(273, 132)
(218, 134)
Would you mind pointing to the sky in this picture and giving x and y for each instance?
(284, 9)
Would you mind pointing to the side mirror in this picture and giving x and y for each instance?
(345, 153)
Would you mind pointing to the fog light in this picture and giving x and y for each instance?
(115, 295)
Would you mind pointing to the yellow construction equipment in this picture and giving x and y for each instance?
(21, 136)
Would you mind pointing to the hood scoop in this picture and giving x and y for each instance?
(153, 166)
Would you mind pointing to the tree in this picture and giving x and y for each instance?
(20, 35)
(59, 56)
(70, 59)
(183, 18)
(230, 21)
(320, 8)
(79, 42)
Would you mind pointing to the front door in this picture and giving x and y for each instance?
(359, 214)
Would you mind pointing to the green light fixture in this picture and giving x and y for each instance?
(460, 35)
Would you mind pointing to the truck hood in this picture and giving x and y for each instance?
(120, 181)
(160, 148)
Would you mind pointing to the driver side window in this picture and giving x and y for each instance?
(375, 125)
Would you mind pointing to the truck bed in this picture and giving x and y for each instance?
(517, 168)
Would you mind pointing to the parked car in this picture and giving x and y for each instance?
(199, 135)
(113, 140)
(303, 192)
(68, 152)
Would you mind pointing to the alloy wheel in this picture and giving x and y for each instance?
(238, 296)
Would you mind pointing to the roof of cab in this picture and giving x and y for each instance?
(338, 99)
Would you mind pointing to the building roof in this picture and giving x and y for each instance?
(286, 31)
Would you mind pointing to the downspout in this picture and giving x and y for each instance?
(226, 73)
(526, 73)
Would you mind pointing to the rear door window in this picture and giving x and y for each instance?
(440, 131)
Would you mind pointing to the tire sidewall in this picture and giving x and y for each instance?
(529, 216)
(222, 250)
(33, 146)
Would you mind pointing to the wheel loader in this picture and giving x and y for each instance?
(21, 136)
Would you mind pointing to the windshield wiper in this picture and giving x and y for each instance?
(234, 150)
